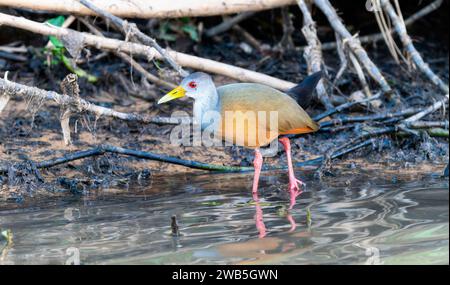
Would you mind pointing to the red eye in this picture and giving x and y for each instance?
(192, 84)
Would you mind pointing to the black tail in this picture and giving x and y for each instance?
(303, 92)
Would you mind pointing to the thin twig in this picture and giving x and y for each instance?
(370, 118)
(286, 41)
(439, 104)
(12, 56)
(379, 36)
(228, 24)
(347, 105)
(428, 124)
(313, 53)
(353, 43)
(248, 37)
(400, 28)
(129, 59)
(127, 28)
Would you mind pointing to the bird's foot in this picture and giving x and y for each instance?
(295, 186)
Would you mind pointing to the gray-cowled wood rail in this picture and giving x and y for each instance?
(247, 104)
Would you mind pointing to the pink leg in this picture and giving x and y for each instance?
(293, 198)
(292, 222)
(294, 183)
(257, 163)
(259, 217)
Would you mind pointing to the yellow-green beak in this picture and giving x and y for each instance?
(174, 94)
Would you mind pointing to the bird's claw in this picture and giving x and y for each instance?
(295, 186)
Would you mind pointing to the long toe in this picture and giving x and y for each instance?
(296, 184)
(302, 184)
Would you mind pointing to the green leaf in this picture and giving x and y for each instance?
(78, 71)
(185, 20)
(157, 63)
(282, 211)
(164, 32)
(56, 42)
(191, 31)
(58, 52)
(57, 21)
(253, 203)
(308, 216)
(212, 203)
(168, 37)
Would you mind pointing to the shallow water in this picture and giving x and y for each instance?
(351, 219)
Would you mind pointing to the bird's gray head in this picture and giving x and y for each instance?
(195, 86)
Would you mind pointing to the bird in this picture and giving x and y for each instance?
(242, 109)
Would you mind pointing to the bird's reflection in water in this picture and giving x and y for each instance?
(268, 249)
(259, 220)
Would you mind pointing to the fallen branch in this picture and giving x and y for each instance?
(151, 9)
(102, 149)
(185, 60)
(404, 125)
(400, 28)
(78, 105)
